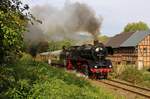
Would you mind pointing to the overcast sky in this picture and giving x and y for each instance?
(116, 13)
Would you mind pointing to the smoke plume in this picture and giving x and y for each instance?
(67, 21)
(34, 35)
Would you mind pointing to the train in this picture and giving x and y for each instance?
(88, 59)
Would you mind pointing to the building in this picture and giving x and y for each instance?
(131, 48)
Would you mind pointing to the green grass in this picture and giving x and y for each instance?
(29, 80)
(139, 77)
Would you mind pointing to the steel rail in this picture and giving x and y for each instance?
(145, 89)
(123, 88)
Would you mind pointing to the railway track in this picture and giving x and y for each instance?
(144, 92)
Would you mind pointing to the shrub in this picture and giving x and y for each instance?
(14, 16)
(31, 79)
(131, 74)
(140, 77)
(146, 79)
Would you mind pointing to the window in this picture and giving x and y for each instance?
(118, 63)
(145, 50)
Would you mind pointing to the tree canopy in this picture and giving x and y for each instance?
(136, 26)
(13, 20)
(57, 45)
(35, 48)
(103, 38)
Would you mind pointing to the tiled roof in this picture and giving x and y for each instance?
(129, 39)
(118, 39)
(134, 39)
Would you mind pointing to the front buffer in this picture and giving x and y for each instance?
(100, 70)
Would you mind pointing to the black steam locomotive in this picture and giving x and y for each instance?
(88, 59)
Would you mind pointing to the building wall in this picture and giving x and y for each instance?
(125, 56)
(144, 52)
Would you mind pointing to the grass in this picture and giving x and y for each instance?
(30, 79)
(139, 77)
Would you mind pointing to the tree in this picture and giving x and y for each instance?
(57, 45)
(39, 47)
(14, 17)
(103, 38)
(33, 50)
(138, 26)
(43, 46)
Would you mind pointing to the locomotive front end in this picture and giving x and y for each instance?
(101, 66)
(104, 66)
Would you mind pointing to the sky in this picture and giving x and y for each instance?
(115, 13)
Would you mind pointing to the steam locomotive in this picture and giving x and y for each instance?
(88, 59)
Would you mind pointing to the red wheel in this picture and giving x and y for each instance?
(69, 65)
(93, 76)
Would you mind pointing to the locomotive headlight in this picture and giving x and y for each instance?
(97, 49)
(110, 66)
(101, 49)
(95, 66)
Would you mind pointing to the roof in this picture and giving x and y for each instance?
(45, 53)
(51, 53)
(118, 39)
(130, 39)
(134, 39)
(56, 52)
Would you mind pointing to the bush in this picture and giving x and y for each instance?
(140, 77)
(31, 79)
(132, 75)
(146, 79)
(117, 70)
(14, 16)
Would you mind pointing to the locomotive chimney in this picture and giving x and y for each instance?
(95, 42)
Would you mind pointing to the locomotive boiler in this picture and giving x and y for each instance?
(88, 59)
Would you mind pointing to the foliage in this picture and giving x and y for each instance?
(132, 75)
(33, 50)
(146, 79)
(117, 71)
(43, 46)
(13, 19)
(40, 47)
(140, 77)
(57, 45)
(133, 27)
(103, 38)
(30, 79)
